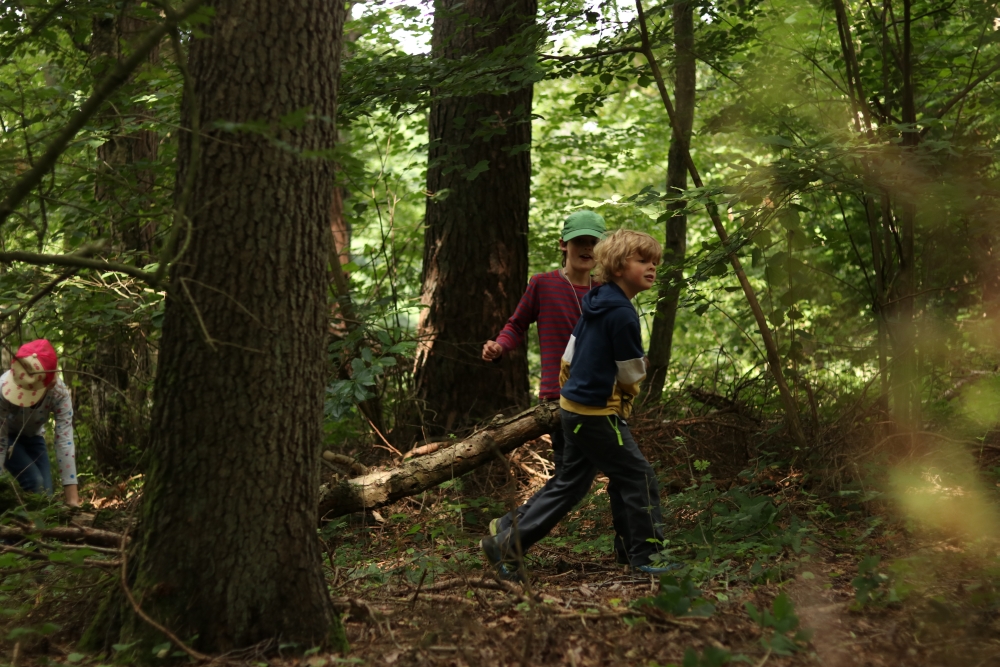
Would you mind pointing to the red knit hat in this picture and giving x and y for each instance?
(32, 371)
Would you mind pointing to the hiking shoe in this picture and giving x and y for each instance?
(494, 527)
(656, 570)
(504, 571)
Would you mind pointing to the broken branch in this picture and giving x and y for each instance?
(380, 488)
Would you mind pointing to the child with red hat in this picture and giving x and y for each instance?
(29, 392)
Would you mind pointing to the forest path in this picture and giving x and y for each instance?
(581, 616)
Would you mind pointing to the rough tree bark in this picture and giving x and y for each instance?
(662, 337)
(476, 239)
(226, 547)
(380, 488)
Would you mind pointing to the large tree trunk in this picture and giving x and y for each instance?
(669, 290)
(476, 239)
(227, 548)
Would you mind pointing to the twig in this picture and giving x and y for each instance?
(965, 91)
(87, 535)
(197, 313)
(201, 657)
(37, 556)
(104, 550)
(589, 56)
(379, 433)
(439, 598)
(77, 261)
(455, 583)
(22, 311)
(423, 575)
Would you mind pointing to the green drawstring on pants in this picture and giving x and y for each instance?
(614, 425)
(577, 429)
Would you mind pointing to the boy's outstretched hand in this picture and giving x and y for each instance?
(492, 350)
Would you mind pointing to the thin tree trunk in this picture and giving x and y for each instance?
(476, 239)
(669, 289)
(773, 358)
(117, 359)
(880, 298)
(345, 318)
(226, 547)
(906, 392)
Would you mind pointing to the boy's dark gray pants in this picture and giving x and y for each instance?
(591, 445)
(617, 508)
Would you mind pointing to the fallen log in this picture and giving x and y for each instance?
(382, 487)
(95, 536)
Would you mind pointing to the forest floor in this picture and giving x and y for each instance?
(778, 569)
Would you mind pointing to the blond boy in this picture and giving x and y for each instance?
(601, 371)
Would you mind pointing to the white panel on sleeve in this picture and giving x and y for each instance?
(631, 371)
(570, 347)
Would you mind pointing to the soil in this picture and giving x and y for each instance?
(411, 602)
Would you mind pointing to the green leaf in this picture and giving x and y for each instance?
(777, 140)
(752, 612)
(75, 657)
(481, 166)
(783, 608)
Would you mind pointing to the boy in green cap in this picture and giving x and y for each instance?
(553, 301)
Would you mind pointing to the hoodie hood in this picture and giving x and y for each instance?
(602, 299)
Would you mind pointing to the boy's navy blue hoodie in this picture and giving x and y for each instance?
(603, 363)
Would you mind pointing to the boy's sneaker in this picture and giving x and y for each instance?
(656, 570)
(494, 527)
(505, 571)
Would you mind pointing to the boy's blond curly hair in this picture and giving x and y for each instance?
(613, 251)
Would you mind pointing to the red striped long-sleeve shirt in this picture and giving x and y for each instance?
(554, 303)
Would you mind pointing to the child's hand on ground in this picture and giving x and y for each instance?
(492, 350)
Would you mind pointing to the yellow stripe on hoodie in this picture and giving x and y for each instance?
(630, 375)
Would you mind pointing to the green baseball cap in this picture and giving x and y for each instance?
(583, 223)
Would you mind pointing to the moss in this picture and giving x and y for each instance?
(338, 636)
(102, 632)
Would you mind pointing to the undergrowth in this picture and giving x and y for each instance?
(740, 541)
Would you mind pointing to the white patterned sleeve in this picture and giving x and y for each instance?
(4, 416)
(62, 409)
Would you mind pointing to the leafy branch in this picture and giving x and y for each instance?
(119, 76)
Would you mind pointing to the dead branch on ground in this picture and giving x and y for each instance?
(95, 536)
(380, 488)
